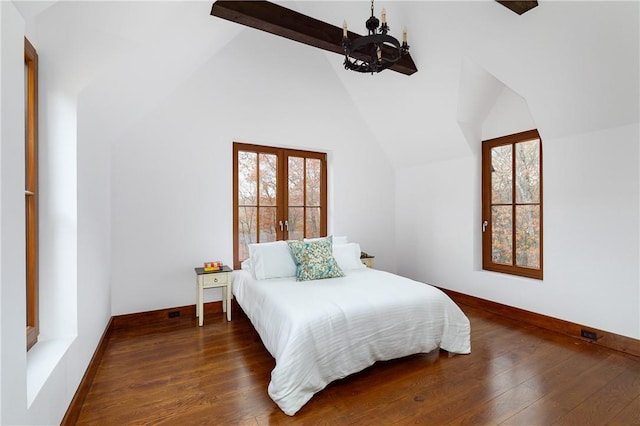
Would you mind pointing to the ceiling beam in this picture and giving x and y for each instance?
(518, 7)
(278, 20)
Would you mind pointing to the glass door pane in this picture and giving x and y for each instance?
(528, 172)
(268, 189)
(296, 198)
(312, 222)
(313, 176)
(501, 175)
(257, 199)
(528, 236)
(247, 221)
(295, 220)
(304, 197)
(313, 204)
(268, 179)
(501, 235)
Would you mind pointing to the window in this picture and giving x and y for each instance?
(512, 204)
(278, 194)
(31, 189)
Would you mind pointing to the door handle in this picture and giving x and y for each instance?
(484, 226)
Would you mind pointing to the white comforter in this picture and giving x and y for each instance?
(320, 331)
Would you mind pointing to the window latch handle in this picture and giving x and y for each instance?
(484, 226)
(286, 224)
(281, 226)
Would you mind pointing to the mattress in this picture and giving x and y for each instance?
(323, 330)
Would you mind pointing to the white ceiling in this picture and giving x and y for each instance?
(575, 63)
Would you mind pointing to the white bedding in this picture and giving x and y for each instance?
(323, 330)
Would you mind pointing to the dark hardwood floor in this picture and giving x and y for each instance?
(180, 374)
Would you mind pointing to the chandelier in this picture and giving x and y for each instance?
(376, 51)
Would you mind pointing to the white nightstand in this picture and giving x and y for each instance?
(368, 261)
(222, 279)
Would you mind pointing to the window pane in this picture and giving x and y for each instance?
(247, 178)
(267, 224)
(268, 164)
(247, 230)
(528, 172)
(296, 223)
(313, 222)
(528, 236)
(296, 181)
(501, 164)
(501, 238)
(313, 182)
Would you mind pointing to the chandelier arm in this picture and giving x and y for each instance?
(365, 67)
(377, 39)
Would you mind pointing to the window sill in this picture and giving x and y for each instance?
(42, 359)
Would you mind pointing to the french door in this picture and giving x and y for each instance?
(278, 194)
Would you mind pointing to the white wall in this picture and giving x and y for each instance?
(510, 114)
(38, 385)
(591, 231)
(571, 76)
(172, 170)
(12, 243)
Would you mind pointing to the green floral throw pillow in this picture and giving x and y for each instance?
(314, 259)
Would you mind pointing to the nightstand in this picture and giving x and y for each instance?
(220, 278)
(368, 261)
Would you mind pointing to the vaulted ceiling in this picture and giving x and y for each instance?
(575, 63)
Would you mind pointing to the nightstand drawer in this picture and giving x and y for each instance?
(215, 279)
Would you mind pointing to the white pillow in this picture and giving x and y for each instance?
(272, 260)
(336, 240)
(245, 265)
(340, 240)
(348, 256)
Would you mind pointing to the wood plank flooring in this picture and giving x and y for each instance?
(176, 373)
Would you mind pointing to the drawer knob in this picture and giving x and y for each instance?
(215, 280)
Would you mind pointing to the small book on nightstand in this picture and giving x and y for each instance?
(212, 266)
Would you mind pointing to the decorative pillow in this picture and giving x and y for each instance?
(271, 260)
(315, 260)
(348, 256)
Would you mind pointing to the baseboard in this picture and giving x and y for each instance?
(162, 315)
(120, 322)
(604, 338)
(73, 411)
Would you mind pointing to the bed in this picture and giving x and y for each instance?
(321, 330)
